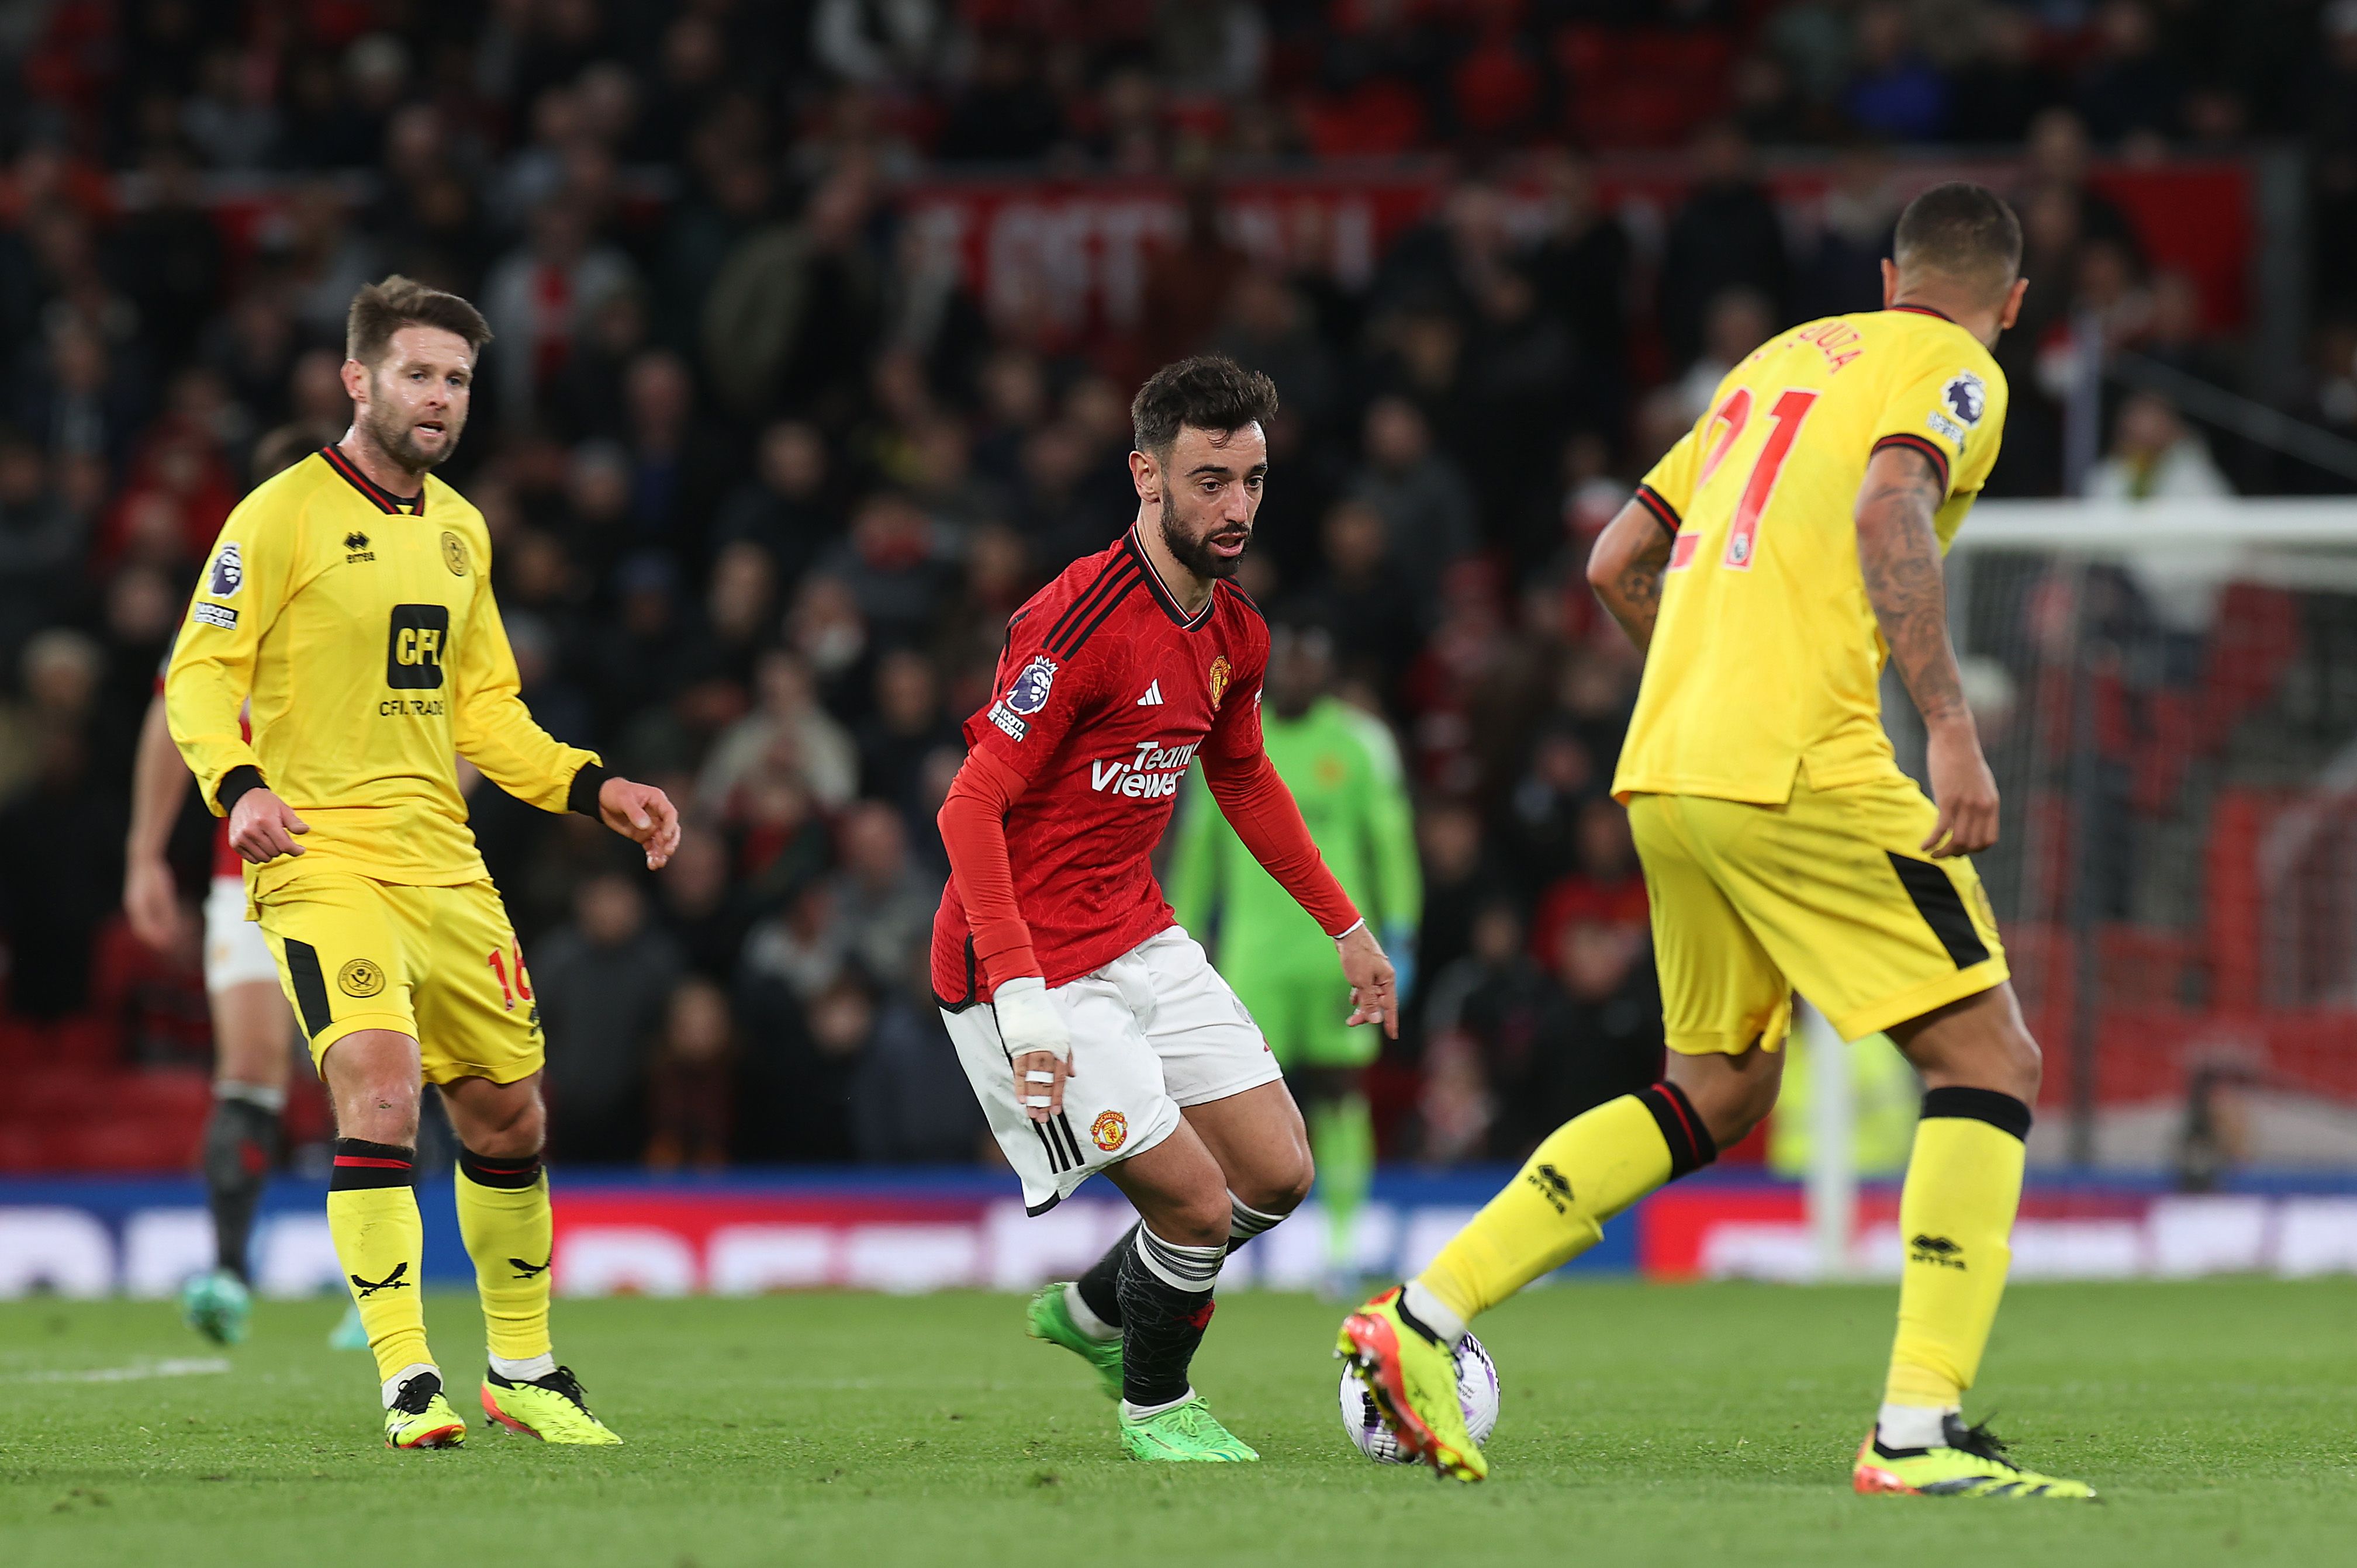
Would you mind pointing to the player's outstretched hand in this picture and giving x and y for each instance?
(1038, 1044)
(643, 814)
(1965, 791)
(1374, 986)
(262, 827)
(151, 901)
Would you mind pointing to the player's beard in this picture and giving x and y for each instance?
(1195, 554)
(398, 440)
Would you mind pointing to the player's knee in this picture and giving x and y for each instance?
(1279, 1192)
(1730, 1104)
(509, 1126)
(514, 1139)
(1731, 1117)
(380, 1112)
(1198, 1220)
(2022, 1065)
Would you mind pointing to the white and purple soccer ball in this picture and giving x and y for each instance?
(1476, 1395)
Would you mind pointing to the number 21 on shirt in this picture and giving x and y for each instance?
(1788, 413)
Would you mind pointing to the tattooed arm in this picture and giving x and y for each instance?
(1625, 569)
(1898, 552)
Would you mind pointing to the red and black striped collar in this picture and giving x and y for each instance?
(384, 499)
(1926, 310)
(1161, 592)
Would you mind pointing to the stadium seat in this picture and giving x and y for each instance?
(1640, 89)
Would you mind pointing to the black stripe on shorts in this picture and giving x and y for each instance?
(311, 986)
(1941, 907)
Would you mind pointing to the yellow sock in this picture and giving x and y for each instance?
(1589, 1170)
(381, 1245)
(1964, 1184)
(503, 1217)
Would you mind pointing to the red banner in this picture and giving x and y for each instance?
(1075, 250)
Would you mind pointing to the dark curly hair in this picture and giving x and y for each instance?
(1210, 391)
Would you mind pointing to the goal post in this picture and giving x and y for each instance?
(2168, 694)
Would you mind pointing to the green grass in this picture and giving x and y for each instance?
(1642, 1424)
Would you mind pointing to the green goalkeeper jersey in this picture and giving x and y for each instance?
(1344, 770)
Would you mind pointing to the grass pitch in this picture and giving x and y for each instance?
(1642, 1424)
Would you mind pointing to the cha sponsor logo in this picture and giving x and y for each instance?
(1154, 773)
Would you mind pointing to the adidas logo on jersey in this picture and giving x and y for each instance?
(1153, 698)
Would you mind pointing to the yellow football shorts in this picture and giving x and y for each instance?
(438, 964)
(1829, 895)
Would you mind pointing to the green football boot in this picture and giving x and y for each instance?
(1049, 1318)
(1413, 1383)
(217, 1306)
(350, 1333)
(419, 1417)
(1186, 1433)
(554, 1409)
(1970, 1463)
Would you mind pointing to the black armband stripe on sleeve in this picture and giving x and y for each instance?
(238, 781)
(1664, 512)
(1926, 445)
(582, 796)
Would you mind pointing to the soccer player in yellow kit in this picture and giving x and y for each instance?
(1768, 565)
(350, 598)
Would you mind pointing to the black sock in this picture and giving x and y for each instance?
(240, 1145)
(1161, 1323)
(1100, 1287)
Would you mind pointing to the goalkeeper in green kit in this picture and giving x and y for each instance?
(1344, 770)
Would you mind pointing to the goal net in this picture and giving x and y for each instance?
(2167, 693)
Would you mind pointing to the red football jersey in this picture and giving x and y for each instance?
(1107, 690)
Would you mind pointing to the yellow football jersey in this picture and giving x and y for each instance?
(362, 627)
(1766, 656)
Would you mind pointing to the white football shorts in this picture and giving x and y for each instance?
(236, 952)
(1152, 1031)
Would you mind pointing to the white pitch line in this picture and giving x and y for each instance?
(191, 1366)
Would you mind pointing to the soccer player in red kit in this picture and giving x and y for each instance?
(1094, 1031)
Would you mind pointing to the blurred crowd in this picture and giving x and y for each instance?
(764, 484)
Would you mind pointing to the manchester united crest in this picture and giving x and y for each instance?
(1223, 672)
(1110, 1130)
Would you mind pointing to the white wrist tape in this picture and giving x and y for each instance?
(1027, 1019)
(1359, 925)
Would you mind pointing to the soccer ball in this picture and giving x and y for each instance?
(1477, 1394)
